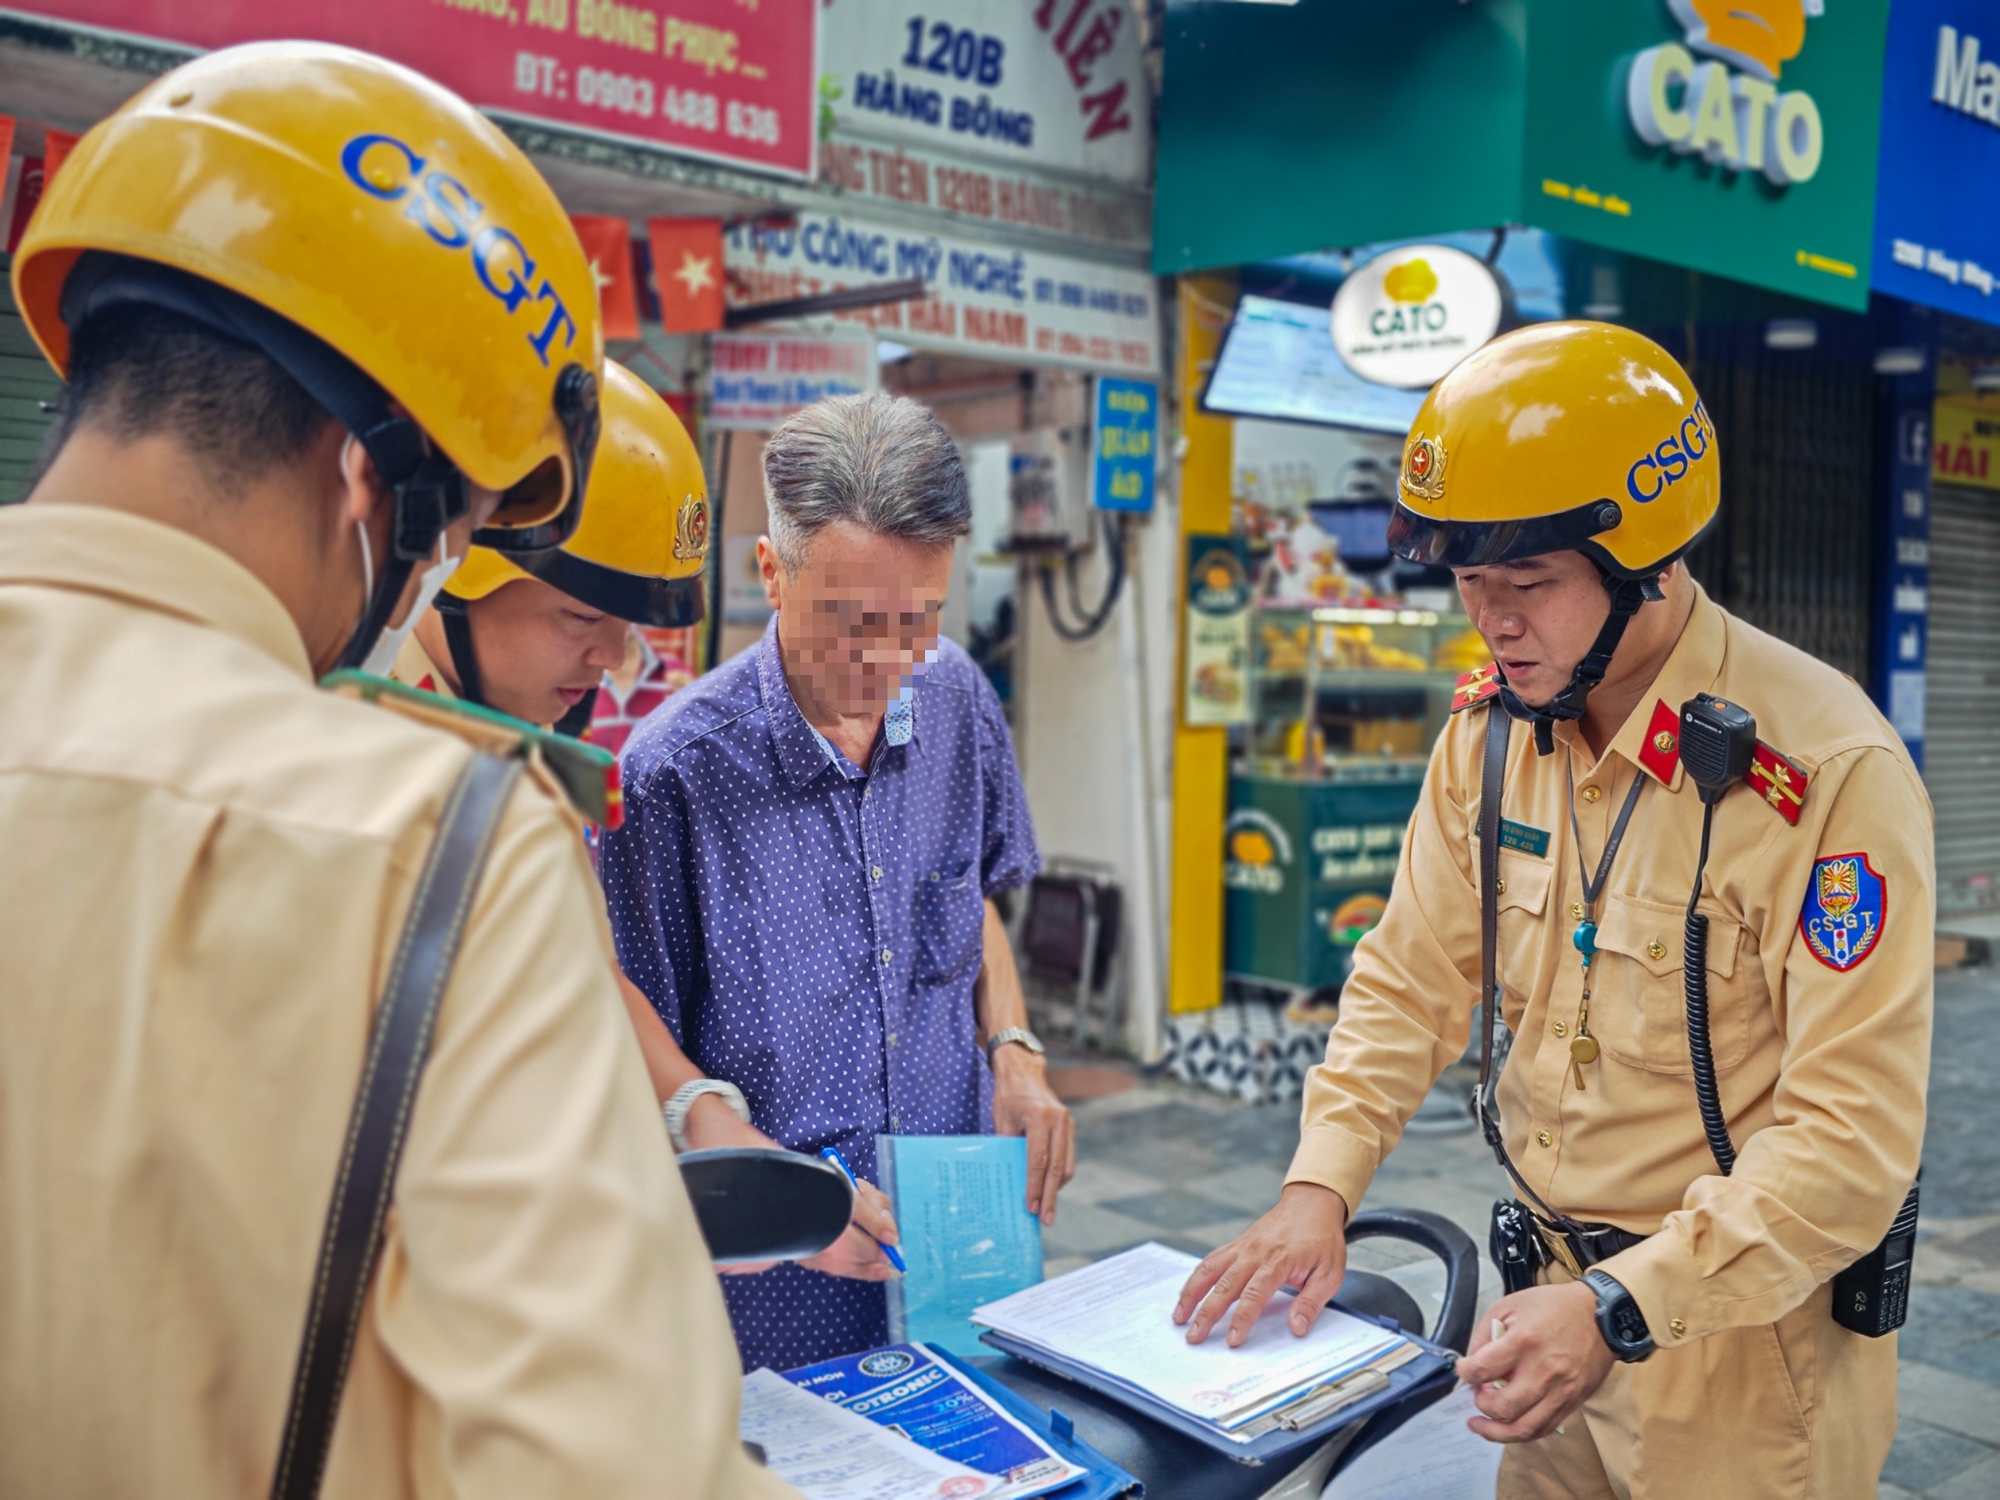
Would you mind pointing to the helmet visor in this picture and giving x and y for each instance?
(1477, 544)
(638, 597)
(544, 509)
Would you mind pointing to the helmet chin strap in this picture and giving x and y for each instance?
(1627, 594)
(458, 641)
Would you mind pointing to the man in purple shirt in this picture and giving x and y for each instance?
(814, 834)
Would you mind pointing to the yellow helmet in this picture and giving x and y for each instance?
(638, 551)
(378, 239)
(1559, 437)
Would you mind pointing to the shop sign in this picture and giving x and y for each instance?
(706, 77)
(1258, 852)
(1217, 654)
(1966, 445)
(987, 300)
(1937, 216)
(756, 380)
(1125, 444)
(1057, 84)
(1016, 197)
(1409, 315)
(1737, 137)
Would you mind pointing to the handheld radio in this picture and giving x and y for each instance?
(1718, 743)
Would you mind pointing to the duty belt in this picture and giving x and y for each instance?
(1524, 1243)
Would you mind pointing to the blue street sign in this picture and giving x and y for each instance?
(1125, 446)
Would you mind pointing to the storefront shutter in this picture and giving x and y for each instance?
(26, 381)
(1962, 699)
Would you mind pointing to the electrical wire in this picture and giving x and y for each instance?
(1094, 619)
(1694, 964)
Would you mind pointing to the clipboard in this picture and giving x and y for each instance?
(1103, 1479)
(1432, 1372)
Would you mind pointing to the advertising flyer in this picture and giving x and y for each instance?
(906, 1390)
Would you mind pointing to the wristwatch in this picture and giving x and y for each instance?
(1619, 1319)
(1017, 1034)
(677, 1107)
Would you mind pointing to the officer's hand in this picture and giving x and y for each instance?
(1300, 1243)
(1551, 1358)
(857, 1254)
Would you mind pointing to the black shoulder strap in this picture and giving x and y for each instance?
(397, 1049)
(1492, 781)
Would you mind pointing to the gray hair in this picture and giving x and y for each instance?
(881, 461)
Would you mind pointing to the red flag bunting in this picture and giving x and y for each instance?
(687, 269)
(61, 143)
(608, 243)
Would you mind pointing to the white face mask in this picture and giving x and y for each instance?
(382, 656)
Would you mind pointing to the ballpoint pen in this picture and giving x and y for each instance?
(834, 1156)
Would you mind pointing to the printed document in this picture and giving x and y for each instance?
(907, 1390)
(828, 1453)
(1117, 1317)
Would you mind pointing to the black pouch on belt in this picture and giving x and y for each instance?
(1517, 1249)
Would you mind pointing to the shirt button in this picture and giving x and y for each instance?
(1562, 1028)
(1500, 887)
(1591, 794)
(876, 872)
(1576, 909)
(894, 1123)
(885, 955)
(1677, 1328)
(1541, 1137)
(1656, 949)
(892, 1039)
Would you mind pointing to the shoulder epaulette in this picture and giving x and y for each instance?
(587, 774)
(1476, 686)
(1780, 781)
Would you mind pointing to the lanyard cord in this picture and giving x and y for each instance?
(1593, 886)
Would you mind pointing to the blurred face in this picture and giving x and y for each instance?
(1538, 617)
(859, 619)
(540, 651)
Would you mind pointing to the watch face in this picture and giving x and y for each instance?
(1628, 1321)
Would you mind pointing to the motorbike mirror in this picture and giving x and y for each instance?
(758, 1203)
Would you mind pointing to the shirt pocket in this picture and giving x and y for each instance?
(1638, 1000)
(1523, 892)
(950, 916)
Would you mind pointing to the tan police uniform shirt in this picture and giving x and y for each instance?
(413, 667)
(207, 863)
(1822, 1068)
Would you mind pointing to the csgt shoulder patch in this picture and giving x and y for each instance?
(1847, 903)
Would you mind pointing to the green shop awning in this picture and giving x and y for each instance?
(1735, 137)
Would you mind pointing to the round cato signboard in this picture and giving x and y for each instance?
(1409, 315)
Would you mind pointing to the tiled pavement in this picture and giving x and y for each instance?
(1167, 1162)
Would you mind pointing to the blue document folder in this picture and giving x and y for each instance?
(961, 1205)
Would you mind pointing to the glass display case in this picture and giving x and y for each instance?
(1345, 703)
(1348, 692)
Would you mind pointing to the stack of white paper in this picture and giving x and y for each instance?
(826, 1452)
(1116, 1317)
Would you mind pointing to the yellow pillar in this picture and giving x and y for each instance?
(1201, 755)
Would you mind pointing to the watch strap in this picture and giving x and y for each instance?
(1014, 1035)
(676, 1109)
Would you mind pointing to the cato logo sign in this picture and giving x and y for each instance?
(1409, 315)
(1259, 852)
(1729, 109)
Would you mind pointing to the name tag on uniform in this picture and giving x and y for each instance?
(1526, 840)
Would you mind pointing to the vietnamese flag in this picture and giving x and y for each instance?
(55, 153)
(607, 241)
(687, 269)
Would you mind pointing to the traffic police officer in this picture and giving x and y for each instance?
(320, 320)
(1562, 471)
(532, 634)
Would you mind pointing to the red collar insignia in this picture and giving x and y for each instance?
(1661, 752)
(1476, 686)
(1780, 781)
